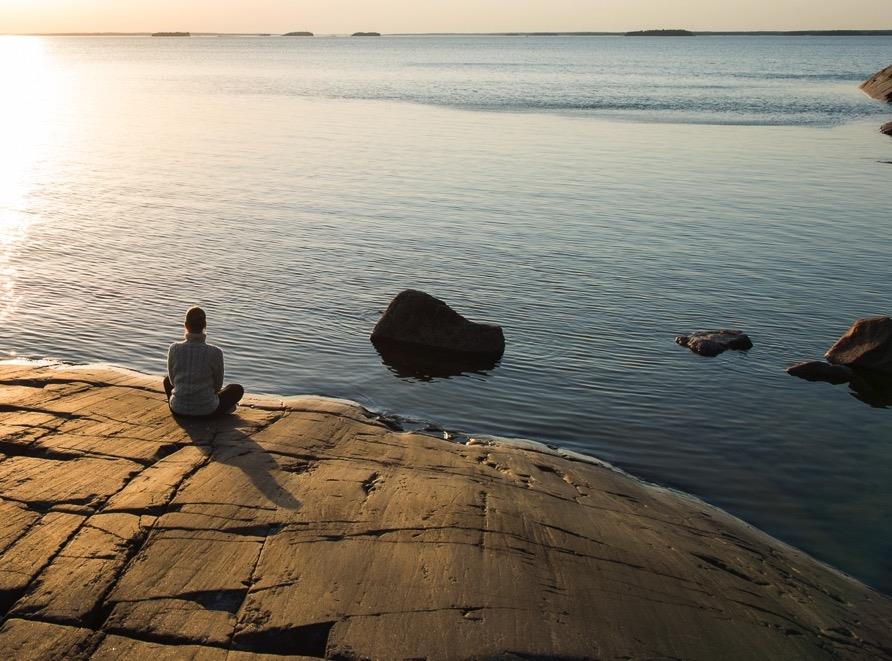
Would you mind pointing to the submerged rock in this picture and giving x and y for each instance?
(867, 344)
(417, 318)
(714, 342)
(817, 370)
(879, 85)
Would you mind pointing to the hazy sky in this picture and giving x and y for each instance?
(340, 16)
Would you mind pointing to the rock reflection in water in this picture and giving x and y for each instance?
(412, 361)
(872, 387)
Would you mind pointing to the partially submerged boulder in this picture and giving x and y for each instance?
(714, 342)
(867, 344)
(879, 85)
(817, 370)
(417, 318)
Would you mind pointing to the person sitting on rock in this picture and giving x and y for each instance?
(194, 381)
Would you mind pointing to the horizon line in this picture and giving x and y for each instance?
(804, 32)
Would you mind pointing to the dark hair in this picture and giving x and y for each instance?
(196, 321)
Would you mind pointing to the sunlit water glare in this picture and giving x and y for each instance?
(594, 196)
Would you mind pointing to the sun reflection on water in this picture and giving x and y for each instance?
(31, 93)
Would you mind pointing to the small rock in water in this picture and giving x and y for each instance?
(817, 370)
(714, 342)
(867, 344)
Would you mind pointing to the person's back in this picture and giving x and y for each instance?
(194, 382)
(196, 370)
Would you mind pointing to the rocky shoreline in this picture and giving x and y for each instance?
(311, 528)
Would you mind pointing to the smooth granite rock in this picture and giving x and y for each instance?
(417, 318)
(817, 370)
(879, 85)
(714, 342)
(867, 344)
(307, 528)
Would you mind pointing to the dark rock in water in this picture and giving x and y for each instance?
(714, 342)
(879, 85)
(415, 361)
(817, 370)
(886, 129)
(867, 344)
(415, 317)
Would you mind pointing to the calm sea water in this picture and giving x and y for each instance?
(595, 196)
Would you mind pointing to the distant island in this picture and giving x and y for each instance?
(171, 34)
(298, 34)
(366, 34)
(660, 33)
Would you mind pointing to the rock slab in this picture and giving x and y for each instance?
(879, 85)
(417, 318)
(713, 342)
(817, 370)
(306, 528)
(867, 344)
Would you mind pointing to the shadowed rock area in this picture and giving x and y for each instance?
(309, 528)
(816, 370)
(879, 85)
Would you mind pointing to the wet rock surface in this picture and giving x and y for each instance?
(417, 318)
(879, 85)
(817, 370)
(867, 344)
(307, 528)
(714, 342)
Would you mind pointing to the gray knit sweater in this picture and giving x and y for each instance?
(195, 369)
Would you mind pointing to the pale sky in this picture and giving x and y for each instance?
(344, 16)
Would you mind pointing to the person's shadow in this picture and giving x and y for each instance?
(224, 440)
